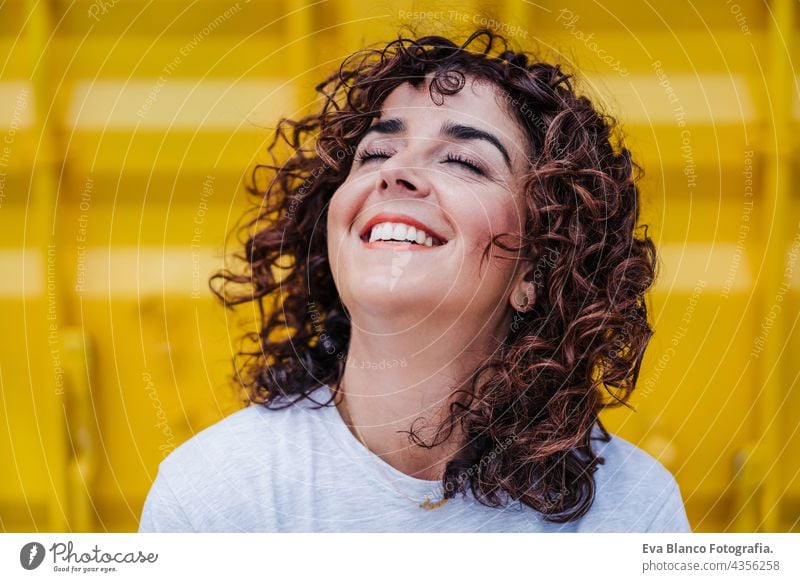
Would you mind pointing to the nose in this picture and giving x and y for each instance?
(399, 176)
(401, 183)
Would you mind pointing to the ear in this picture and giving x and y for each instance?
(523, 291)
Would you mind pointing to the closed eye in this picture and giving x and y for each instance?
(466, 162)
(367, 155)
(377, 153)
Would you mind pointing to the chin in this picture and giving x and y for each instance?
(378, 296)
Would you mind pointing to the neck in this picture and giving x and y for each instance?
(393, 379)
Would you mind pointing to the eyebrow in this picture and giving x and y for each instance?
(458, 131)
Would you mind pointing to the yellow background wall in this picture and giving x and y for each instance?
(127, 130)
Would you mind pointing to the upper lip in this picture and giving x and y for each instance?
(403, 218)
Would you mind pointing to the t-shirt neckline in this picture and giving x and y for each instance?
(411, 486)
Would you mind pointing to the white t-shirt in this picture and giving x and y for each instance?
(300, 469)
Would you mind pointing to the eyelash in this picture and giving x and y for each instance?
(466, 162)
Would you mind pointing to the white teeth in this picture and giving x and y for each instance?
(399, 232)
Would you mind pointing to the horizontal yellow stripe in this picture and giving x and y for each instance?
(667, 99)
(169, 102)
(115, 272)
(16, 107)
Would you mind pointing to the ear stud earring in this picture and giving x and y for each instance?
(523, 299)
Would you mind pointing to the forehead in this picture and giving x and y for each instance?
(477, 103)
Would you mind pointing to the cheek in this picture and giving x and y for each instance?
(490, 276)
(346, 200)
(341, 211)
(335, 229)
(482, 222)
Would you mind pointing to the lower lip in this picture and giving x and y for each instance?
(396, 246)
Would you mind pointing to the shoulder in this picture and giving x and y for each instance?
(625, 462)
(241, 438)
(223, 444)
(633, 491)
(214, 480)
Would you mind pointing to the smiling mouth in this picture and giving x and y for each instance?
(397, 245)
(399, 235)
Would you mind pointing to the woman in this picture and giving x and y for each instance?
(458, 291)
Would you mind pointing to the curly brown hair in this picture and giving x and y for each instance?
(529, 416)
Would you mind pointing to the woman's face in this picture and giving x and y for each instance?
(451, 171)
